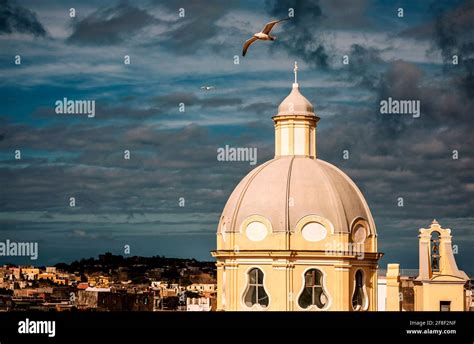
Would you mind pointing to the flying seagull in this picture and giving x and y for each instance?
(263, 35)
(207, 88)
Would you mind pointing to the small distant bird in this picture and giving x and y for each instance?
(263, 35)
(207, 88)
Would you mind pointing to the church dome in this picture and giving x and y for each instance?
(296, 185)
(286, 189)
(296, 234)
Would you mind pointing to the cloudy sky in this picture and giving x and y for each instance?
(173, 154)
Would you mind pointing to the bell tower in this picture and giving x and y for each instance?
(440, 284)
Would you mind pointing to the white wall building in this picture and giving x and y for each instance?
(198, 304)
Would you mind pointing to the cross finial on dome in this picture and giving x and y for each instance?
(296, 72)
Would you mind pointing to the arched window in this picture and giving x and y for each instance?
(255, 294)
(313, 292)
(435, 251)
(358, 299)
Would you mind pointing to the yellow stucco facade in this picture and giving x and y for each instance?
(283, 280)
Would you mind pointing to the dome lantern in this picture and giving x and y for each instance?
(295, 124)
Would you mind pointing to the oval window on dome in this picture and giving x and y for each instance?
(359, 234)
(314, 231)
(256, 231)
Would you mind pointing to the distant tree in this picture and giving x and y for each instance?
(139, 279)
(171, 274)
(171, 303)
(192, 294)
(4, 291)
(185, 281)
(63, 266)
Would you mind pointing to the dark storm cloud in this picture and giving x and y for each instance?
(259, 108)
(111, 25)
(87, 138)
(452, 33)
(346, 14)
(453, 29)
(304, 35)
(219, 102)
(172, 100)
(102, 111)
(15, 18)
(364, 65)
(301, 32)
(401, 80)
(449, 26)
(159, 106)
(443, 104)
(198, 25)
(88, 163)
(63, 136)
(395, 156)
